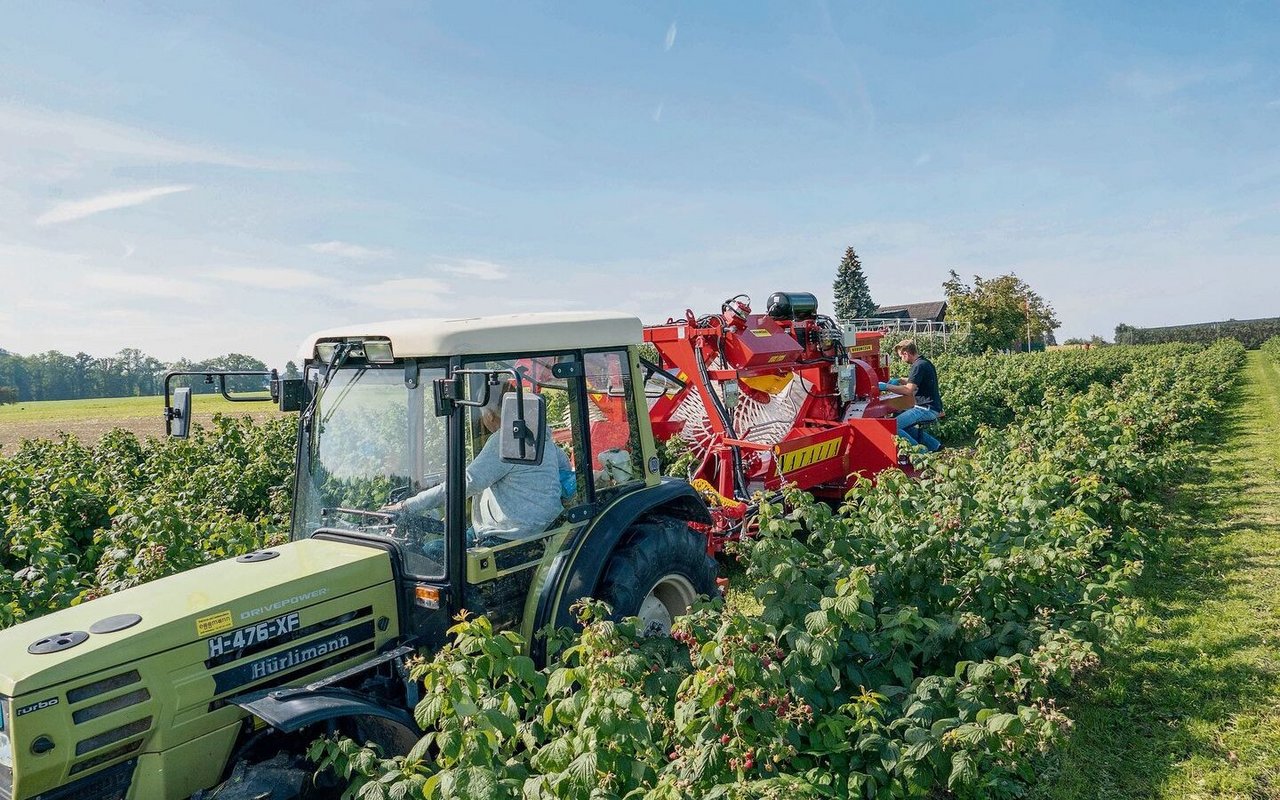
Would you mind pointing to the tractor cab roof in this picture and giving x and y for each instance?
(510, 333)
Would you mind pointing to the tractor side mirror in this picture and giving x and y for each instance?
(178, 416)
(524, 429)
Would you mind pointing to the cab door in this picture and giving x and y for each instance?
(514, 525)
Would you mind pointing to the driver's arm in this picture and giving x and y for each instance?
(484, 471)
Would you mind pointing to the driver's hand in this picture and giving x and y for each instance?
(393, 508)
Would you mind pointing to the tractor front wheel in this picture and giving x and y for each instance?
(657, 573)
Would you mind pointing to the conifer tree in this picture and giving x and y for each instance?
(853, 296)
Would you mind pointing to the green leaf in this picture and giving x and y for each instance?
(1005, 723)
(963, 771)
(499, 722)
(560, 680)
(902, 669)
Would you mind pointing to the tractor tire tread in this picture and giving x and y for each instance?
(657, 546)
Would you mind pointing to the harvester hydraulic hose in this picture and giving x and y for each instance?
(739, 480)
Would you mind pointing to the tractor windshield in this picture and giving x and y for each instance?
(369, 441)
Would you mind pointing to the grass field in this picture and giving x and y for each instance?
(89, 419)
(1190, 708)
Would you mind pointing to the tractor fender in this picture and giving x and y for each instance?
(577, 570)
(291, 710)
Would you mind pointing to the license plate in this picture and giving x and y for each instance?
(253, 634)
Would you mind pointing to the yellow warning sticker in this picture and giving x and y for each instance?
(207, 626)
(760, 332)
(808, 456)
(861, 348)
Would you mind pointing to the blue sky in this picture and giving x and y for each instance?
(193, 179)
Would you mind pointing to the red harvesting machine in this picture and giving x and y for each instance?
(764, 400)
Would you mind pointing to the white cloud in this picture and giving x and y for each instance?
(21, 265)
(348, 250)
(79, 209)
(67, 133)
(403, 294)
(144, 285)
(671, 37)
(472, 268)
(657, 112)
(272, 277)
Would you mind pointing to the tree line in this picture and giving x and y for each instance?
(129, 373)
(1001, 312)
(1249, 332)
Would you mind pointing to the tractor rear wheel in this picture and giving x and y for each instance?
(657, 573)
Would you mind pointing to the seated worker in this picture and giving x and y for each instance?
(509, 501)
(922, 385)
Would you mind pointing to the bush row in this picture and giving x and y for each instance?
(910, 643)
(1272, 348)
(78, 521)
(994, 390)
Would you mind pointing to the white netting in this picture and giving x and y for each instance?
(697, 427)
(767, 423)
(753, 421)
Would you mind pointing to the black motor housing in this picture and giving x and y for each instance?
(792, 305)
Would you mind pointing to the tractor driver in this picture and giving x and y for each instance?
(509, 501)
(922, 385)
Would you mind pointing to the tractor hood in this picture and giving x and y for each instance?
(174, 612)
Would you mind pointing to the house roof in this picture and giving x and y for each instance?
(932, 310)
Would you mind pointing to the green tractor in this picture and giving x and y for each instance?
(441, 466)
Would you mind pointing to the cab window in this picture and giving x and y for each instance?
(614, 433)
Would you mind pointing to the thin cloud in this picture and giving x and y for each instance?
(472, 268)
(671, 37)
(272, 277)
(923, 158)
(79, 209)
(68, 132)
(402, 294)
(144, 285)
(657, 112)
(348, 250)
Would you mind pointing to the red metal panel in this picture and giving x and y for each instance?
(761, 344)
(873, 447)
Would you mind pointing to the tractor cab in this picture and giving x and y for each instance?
(475, 451)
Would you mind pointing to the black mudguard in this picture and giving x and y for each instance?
(292, 710)
(577, 570)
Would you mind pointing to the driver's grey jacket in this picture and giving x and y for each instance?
(515, 500)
